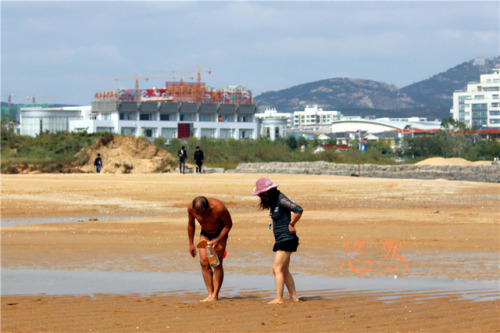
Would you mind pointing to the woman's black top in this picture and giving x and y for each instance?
(281, 216)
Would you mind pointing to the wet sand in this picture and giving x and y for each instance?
(376, 230)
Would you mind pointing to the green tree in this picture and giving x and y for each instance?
(451, 125)
(291, 142)
(302, 141)
(483, 150)
(426, 146)
(9, 138)
(381, 146)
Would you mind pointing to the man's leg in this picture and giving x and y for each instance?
(213, 279)
(206, 272)
(218, 276)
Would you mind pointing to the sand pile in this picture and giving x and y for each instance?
(124, 154)
(450, 161)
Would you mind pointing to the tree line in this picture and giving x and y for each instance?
(53, 151)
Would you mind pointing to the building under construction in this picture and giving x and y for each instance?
(179, 110)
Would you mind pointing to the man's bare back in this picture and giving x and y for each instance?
(213, 217)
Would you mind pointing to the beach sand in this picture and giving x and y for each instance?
(425, 235)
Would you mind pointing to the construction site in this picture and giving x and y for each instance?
(178, 91)
(180, 109)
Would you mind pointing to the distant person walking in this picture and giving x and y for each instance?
(98, 163)
(285, 235)
(198, 158)
(182, 159)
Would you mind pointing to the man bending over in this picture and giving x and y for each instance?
(215, 222)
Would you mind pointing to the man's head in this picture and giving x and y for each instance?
(182, 147)
(197, 147)
(200, 204)
(99, 155)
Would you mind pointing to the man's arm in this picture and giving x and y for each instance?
(225, 217)
(190, 229)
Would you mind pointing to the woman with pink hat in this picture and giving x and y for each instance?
(285, 235)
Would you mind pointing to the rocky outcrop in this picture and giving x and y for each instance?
(476, 173)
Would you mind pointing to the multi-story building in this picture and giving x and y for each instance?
(180, 110)
(171, 119)
(479, 106)
(314, 116)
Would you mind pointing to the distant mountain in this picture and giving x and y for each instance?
(336, 93)
(438, 90)
(427, 98)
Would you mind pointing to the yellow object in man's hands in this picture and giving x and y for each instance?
(202, 244)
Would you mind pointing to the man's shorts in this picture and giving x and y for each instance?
(210, 236)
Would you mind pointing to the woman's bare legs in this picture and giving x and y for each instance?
(283, 277)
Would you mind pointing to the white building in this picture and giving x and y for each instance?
(273, 124)
(171, 119)
(350, 124)
(36, 120)
(479, 106)
(314, 116)
(149, 119)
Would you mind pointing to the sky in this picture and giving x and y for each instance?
(63, 52)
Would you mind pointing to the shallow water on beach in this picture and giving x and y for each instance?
(11, 222)
(81, 282)
(106, 276)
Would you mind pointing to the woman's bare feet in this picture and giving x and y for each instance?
(276, 301)
(210, 298)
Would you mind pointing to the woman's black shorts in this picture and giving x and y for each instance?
(288, 245)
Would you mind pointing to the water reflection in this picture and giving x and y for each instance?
(81, 282)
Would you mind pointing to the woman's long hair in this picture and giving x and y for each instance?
(269, 199)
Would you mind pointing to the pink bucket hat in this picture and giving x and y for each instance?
(262, 185)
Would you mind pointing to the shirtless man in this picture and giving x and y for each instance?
(215, 222)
